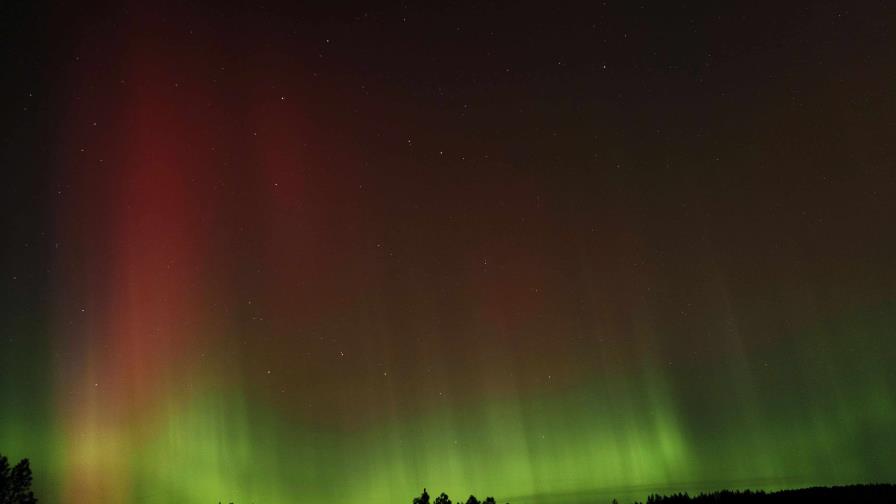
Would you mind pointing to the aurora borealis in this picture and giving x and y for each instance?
(269, 253)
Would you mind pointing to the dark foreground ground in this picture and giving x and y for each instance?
(845, 494)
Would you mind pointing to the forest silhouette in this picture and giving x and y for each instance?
(15, 488)
(15, 483)
(444, 499)
(858, 494)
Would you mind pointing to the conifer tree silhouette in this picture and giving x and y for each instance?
(423, 499)
(15, 483)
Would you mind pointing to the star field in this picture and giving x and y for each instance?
(278, 253)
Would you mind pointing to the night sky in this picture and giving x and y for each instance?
(274, 254)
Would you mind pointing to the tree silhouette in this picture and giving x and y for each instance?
(15, 483)
(443, 499)
(423, 499)
(867, 494)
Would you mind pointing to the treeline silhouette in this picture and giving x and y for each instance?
(15, 483)
(15, 488)
(859, 494)
(444, 499)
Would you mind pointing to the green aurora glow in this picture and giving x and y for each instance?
(233, 276)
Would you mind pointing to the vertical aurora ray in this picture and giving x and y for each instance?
(285, 265)
(138, 236)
